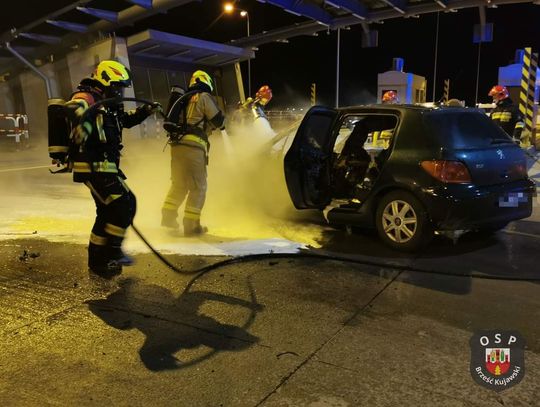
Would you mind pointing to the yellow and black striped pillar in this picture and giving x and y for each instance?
(313, 97)
(531, 99)
(446, 94)
(525, 106)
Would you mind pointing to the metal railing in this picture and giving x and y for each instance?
(20, 124)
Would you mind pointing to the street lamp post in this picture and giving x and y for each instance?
(229, 8)
(244, 13)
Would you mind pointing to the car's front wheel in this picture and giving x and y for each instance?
(402, 222)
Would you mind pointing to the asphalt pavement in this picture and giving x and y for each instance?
(363, 326)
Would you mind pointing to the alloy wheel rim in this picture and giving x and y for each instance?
(399, 221)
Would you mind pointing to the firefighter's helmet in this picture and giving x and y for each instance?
(202, 77)
(264, 94)
(110, 73)
(390, 97)
(498, 93)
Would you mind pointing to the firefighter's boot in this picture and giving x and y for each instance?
(193, 227)
(168, 219)
(117, 258)
(98, 261)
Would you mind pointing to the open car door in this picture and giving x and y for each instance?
(308, 161)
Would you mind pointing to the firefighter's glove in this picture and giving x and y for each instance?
(247, 103)
(153, 108)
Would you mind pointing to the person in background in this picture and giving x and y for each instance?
(252, 109)
(262, 98)
(390, 97)
(506, 114)
(455, 103)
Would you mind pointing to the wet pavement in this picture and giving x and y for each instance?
(364, 326)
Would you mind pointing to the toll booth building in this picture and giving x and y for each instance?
(410, 88)
(511, 76)
(157, 61)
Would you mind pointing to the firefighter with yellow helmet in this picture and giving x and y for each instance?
(94, 158)
(189, 155)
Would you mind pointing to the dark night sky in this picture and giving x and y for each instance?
(290, 68)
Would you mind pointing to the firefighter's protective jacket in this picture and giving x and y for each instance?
(97, 140)
(508, 117)
(203, 116)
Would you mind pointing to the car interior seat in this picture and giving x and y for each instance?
(353, 161)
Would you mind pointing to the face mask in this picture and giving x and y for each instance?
(115, 91)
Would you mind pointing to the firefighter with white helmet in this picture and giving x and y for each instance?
(189, 155)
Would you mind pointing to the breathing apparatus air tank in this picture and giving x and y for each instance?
(172, 113)
(176, 93)
(178, 102)
(59, 130)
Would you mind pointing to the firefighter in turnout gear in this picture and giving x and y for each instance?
(506, 114)
(252, 109)
(257, 105)
(390, 97)
(189, 156)
(94, 158)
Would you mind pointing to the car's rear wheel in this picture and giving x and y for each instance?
(402, 222)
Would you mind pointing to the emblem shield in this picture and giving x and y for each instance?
(497, 359)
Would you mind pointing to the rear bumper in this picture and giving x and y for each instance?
(460, 207)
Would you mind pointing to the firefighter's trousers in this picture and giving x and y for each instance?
(188, 179)
(115, 209)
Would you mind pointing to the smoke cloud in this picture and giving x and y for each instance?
(247, 196)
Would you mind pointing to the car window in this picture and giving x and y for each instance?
(317, 130)
(464, 130)
(364, 132)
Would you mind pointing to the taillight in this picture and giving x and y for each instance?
(451, 172)
(520, 170)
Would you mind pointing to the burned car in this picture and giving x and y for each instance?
(408, 171)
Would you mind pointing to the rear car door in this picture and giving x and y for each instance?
(308, 161)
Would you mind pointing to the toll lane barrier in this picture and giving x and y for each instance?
(20, 126)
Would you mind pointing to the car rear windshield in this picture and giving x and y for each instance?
(464, 129)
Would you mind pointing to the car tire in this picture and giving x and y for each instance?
(402, 222)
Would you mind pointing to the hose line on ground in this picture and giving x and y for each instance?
(320, 256)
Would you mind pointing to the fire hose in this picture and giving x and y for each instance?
(320, 256)
(117, 100)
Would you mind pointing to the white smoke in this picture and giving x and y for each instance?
(247, 196)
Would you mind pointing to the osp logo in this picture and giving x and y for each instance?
(497, 359)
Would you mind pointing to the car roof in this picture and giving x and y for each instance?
(405, 108)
